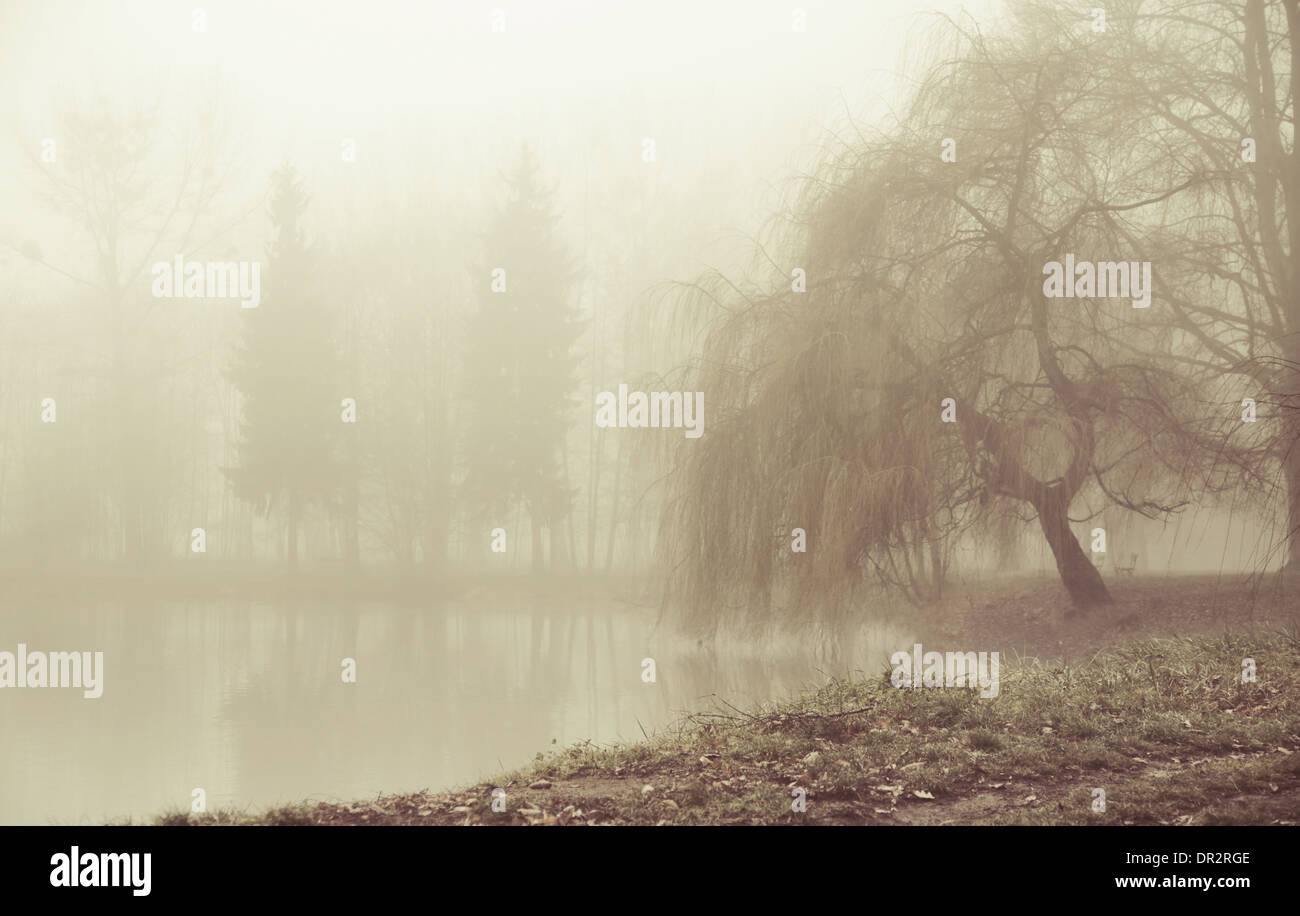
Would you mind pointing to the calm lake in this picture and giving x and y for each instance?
(245, 699)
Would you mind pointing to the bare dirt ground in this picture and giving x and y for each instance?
(1025, 616)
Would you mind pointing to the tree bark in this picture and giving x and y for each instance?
(1081, 579)
(1291, 440)
(1291, 469)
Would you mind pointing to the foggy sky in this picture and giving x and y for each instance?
(725, 88)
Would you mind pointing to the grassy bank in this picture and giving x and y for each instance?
(1164, 726)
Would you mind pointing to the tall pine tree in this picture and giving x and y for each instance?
(521, 372)
(288, 374)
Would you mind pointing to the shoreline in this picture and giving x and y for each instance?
(1163, 728)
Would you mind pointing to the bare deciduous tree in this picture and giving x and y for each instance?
(925, 282)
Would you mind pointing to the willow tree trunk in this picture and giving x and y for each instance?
(1291, 441)
(1291, 467)
(1081, 579)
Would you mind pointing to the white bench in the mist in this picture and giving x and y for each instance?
(1121, 569)
(1127, 570)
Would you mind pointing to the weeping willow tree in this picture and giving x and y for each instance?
(918, 255)
(808, 430)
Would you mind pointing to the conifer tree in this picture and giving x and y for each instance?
(287, 372)
(521, 373)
